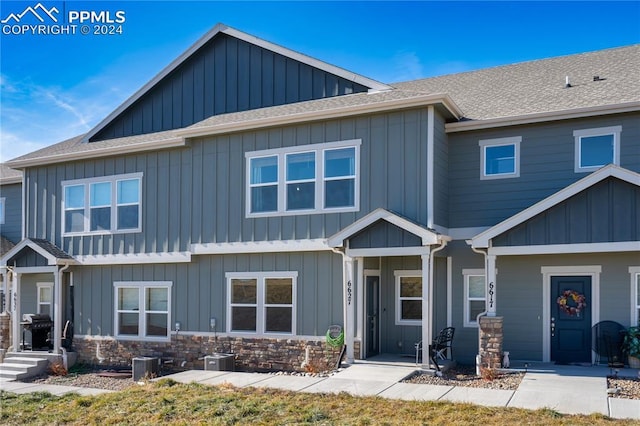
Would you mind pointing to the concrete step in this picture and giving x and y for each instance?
(26, 360)
(20, 367)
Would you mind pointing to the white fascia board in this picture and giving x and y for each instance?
(516, 120)
(340, 112)
(150, 145)
(277, 246)
(51, 259)
(482, 240)
(134, 258)
(625, 246)
(387, 251)
(10, 180)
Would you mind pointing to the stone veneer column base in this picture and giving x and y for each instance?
(186, 351)
(5, 330)
(490, 341)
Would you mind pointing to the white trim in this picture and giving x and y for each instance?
(466, 273)
(449, 291)
(634, 272)
(217, 334)
(430, 166)
(624, 246)
(399, 274)
(35, 270)
(260, 304)
(319, 150)
(592, 271)
(142, 311)
(482, 240)
(490, 143)
(51, 259)
(86, 183)
(463, 234)
(277, 246)
(134, 258)
(10, 180)
(387, 251)
(614, 131)
(428, 237)
(540, 117)
(39, 286)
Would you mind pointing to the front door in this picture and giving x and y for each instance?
(571, 319)
(373, 318)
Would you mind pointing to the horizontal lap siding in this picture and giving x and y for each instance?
(546, 162)
(225, 75)
(199, 290)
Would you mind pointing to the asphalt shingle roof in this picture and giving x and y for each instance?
(499, 92)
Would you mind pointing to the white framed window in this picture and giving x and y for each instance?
(2, 210)
(634, 271)
(408, 297)
(595, 148)
(261, 302)
(500, 158)
(309, 179)
(142, 310)
(475, 299)
(45, 298)
(105, 205)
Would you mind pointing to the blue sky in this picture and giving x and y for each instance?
(57, 86)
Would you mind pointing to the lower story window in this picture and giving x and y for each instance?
(45, 298)
(262, 303)
(474, 295)
(408, 297)
(635, 295)
(143, 309)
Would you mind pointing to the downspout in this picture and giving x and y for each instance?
(483, 313)
(57, 338)
(349, 314)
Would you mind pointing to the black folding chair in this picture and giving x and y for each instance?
(440, 348)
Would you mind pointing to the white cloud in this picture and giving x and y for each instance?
(406, 66)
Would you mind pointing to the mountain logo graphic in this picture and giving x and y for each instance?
(38, 11)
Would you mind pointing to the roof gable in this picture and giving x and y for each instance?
(226, 71)
(533, 213)
(51, 253)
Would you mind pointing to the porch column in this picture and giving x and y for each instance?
(57, 314)
(349, 287)
(491, 285)
(15, 311)
(427, 307)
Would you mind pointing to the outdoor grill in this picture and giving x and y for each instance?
(40, 327)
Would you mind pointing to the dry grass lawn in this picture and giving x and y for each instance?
(167, 402)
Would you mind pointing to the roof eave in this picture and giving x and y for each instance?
(150, 145)
(10, 180)
(351, 110)
(619, 108)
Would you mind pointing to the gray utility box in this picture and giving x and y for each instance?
(145, 367)
(219, 362)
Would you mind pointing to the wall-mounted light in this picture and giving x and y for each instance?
(178, 326)
(212, 323)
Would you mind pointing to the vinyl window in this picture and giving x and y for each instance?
(307, 179)
(262, 303)
(595, 148)
(45, 298)
(474, 295)
(500, 158)
(634, 271)
(408, 297)
(103, 205)
(143, 310)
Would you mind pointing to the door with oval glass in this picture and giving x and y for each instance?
(570, 319)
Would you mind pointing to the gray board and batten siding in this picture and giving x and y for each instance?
(196, 194)
(609, 211)
(199, 290)
(547, 156)
(225, 75)
(11, 229)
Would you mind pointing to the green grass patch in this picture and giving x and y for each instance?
(168, 402)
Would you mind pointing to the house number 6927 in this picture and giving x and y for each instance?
(349, 292)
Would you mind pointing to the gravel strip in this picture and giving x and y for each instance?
(627, 388)
(466, 376)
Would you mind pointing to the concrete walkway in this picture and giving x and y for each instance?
(565, 389)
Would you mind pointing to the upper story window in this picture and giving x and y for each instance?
(104, 205)
(319, 178)
(500, 158)
(262, 302)
(475, 299)
(596, 148)
(2, 212)
(408, 297)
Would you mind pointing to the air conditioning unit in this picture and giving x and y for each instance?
(145, 367)
(219, 362)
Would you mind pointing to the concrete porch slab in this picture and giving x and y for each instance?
(382, 373)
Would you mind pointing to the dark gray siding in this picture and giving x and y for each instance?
(547, 166)
(607, 212)
(199, 290)
(441, 173)
(384, 234)
(225, 75)
(196, 194)
(11, 229)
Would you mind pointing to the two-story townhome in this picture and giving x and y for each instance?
(249, 197)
